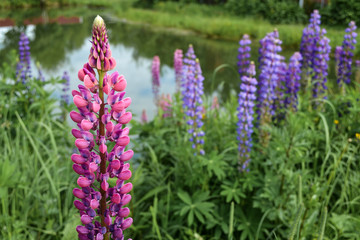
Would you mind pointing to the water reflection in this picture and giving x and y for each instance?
(60, 47)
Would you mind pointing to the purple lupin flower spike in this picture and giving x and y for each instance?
(101, 120)
(244, 55)
(309, 41)
(338, 51)
(155, 70)
(246, 116)
(279, 98)
(347, 53)
(23, 67)
(270, 63)
(192, 99)
(292, 82)
(188, 75)
(66, 88)
(178, 62)
(320, 66)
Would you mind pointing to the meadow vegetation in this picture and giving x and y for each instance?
(302, 182)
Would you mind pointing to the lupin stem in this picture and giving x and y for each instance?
(102, 155)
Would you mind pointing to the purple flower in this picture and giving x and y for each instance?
(192, 84)
(178, 62)
(320, 66)
(244, 55)
(309, 41)
(23, 67)
(270, 67)
(99, 121)
(155, 70)
(246, 116)
(346, 55)
(292, 82)
(66, 88)
(315, 49)
(338, 51)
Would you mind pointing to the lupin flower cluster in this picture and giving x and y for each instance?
(309, 41)
(315, 50)
(244, 55)
(23, 67)
(66, 88)
(320, 66)
(279, 98)
(101, 120)
(155, 70)
(292, 82)
(338, 51)
(346, 55)
(246, 116)
(270, 63)
(192, 91)
(178, 63)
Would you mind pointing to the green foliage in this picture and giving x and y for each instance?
(35, 176)
(285, 11)
(302, 185)
(341, 12)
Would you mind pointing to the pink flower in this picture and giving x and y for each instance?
(100, 119)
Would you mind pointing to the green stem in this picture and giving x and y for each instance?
(102, 155)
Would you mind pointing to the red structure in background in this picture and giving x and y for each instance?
(8, 22)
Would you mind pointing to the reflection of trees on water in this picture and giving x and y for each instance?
(212, 53)
(52, 43)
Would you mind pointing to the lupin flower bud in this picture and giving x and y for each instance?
(178, 61)
(192, 84)
(346, 55)
(100, 53)
(155, 70)
(244, 55)
(101, 120)
(246, 116)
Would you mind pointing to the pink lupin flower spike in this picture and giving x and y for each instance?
(100, 119)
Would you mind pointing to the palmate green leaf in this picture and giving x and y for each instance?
(190, 218)
(232, 193)
(196, 205)
(184, 196)
(184, 210)
(199, 216)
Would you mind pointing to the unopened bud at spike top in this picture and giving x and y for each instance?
(100, 53)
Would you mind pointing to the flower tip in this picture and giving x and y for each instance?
(98, 22)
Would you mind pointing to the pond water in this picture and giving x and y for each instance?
(61, 42)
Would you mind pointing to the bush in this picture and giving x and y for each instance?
(285, 11)
(341, 12)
